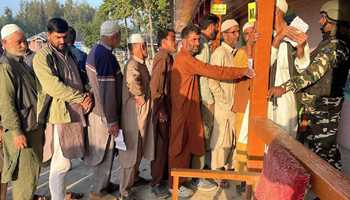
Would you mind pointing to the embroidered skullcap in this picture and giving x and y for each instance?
(227, 24)
(136, 38)
(8, 29)
(247, 25)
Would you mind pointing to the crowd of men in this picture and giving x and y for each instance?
(191, 111)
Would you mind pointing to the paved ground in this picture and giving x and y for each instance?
(79, 180)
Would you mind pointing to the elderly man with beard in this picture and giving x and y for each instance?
(287, 60)
(186, 132)
(105, 79)
(22, 137)
(223, 136)
(136, 117)
(241, 97)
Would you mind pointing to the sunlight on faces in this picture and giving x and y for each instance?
(169, 42)
(140, 49)
(144, 50)
(57, 40)
(213, 31)
(112, 40)
(231, 36)
(15, 44)
(191, 43)
(115, 40)
(247, 32)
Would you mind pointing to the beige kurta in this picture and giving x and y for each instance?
(222, 138)
(136, 120)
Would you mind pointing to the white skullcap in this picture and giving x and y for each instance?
(247, 25)
(136, 38)
(109, 28)
(8, 29)
(227, 24)
(282, 5)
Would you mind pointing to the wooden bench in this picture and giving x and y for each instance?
(326, 181)
(251, 178)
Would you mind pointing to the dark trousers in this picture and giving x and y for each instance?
(159, 166)
(3, 190)
(3, 186)
(324, 117)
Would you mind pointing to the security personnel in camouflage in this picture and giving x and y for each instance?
(321, 84)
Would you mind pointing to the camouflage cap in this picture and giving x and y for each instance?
(337, 10)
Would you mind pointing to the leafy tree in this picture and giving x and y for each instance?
(146, 15)
(32, 17)
(91, 31)
(142, 15)
(7, 18)
(53, 8)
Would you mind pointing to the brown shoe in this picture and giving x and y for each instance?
(99, 196)
(73, 195)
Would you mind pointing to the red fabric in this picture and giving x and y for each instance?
(283, 177)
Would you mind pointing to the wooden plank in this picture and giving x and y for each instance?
(249, 177)
(259, 89)
(326, 181)
(175, 187)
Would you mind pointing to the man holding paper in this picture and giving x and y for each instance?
(323, 81)
(288, 41)
(106, 81)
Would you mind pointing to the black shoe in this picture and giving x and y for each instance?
(161, 191)
(140, 181)
(40, 197)
(111, 188)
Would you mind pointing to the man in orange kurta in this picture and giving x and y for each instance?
(187, 137)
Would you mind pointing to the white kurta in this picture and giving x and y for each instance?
(285, 114)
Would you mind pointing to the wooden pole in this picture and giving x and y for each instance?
(175, 187)
(259, 89)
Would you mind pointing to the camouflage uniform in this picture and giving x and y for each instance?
(321, 85)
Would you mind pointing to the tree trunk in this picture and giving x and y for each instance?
(150, 27)
(151, 34)
(127, 38)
